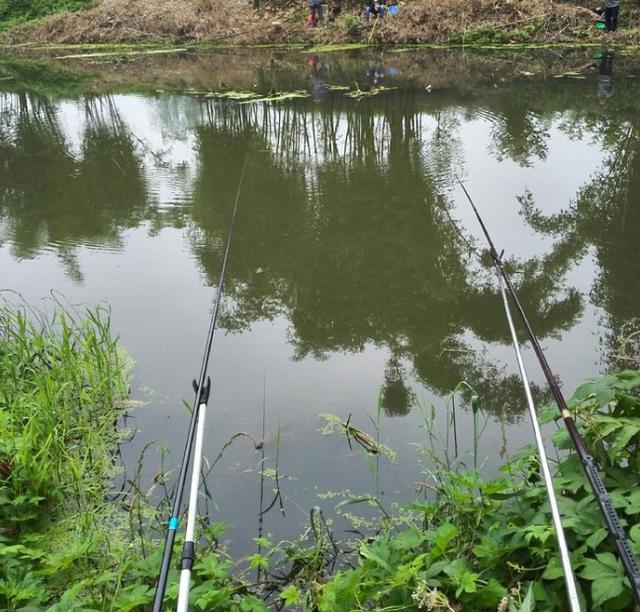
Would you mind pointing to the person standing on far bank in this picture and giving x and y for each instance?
(315, 9)
(609, 11)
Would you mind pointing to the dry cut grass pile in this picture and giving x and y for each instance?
(175, 21)
(499, 20)
(236, 22)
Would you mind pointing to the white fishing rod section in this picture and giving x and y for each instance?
(569, 577)
(600, 494)
(189, 548)
(174, 520)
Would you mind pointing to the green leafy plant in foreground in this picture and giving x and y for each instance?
(477, 544)
(63, 544)
(469, 543)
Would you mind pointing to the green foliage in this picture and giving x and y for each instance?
(16, 11)
(63, 546)
(499, 35)
(354, 26)
(472, 543)
(480, 544)
(61, 384)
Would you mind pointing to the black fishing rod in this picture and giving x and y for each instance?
(202, 394)
(626, 555)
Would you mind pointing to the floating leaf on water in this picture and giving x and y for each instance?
(233, 95)
(277, 96)
(358, 93)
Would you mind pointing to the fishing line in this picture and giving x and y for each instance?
(625, 553)
(202, 388)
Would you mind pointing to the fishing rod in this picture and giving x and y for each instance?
(189, 546)
(196, 427)
(569, 578)
(616, 532)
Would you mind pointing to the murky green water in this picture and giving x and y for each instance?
(348, 280)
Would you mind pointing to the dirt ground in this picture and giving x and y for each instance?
(237, 23)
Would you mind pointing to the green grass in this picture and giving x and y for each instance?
(13, 12)
(64, 545)
(63, 380)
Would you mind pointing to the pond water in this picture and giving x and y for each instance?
(353, 280)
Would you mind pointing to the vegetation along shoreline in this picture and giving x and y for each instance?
(241, 23)
(466, 542)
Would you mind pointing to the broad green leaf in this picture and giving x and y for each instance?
(434, 569)
(132, 597)
(549, 413)
(290, 595)
(630, 428)
(367, 553)
(464, 580)
(633, 502)
(604, 589)
(210, 566)
(258, 561)
(604, 567)
(443, 535)
(491, 595)
(553, 570)
(594, 540)
(408, 539)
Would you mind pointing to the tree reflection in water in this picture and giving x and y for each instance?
(346, 231)
(51, 195)
(345, 227)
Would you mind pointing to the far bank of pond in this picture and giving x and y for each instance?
(452, 22)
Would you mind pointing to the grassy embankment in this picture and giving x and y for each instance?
(467, 543)
(453, 22)
(16, 12)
